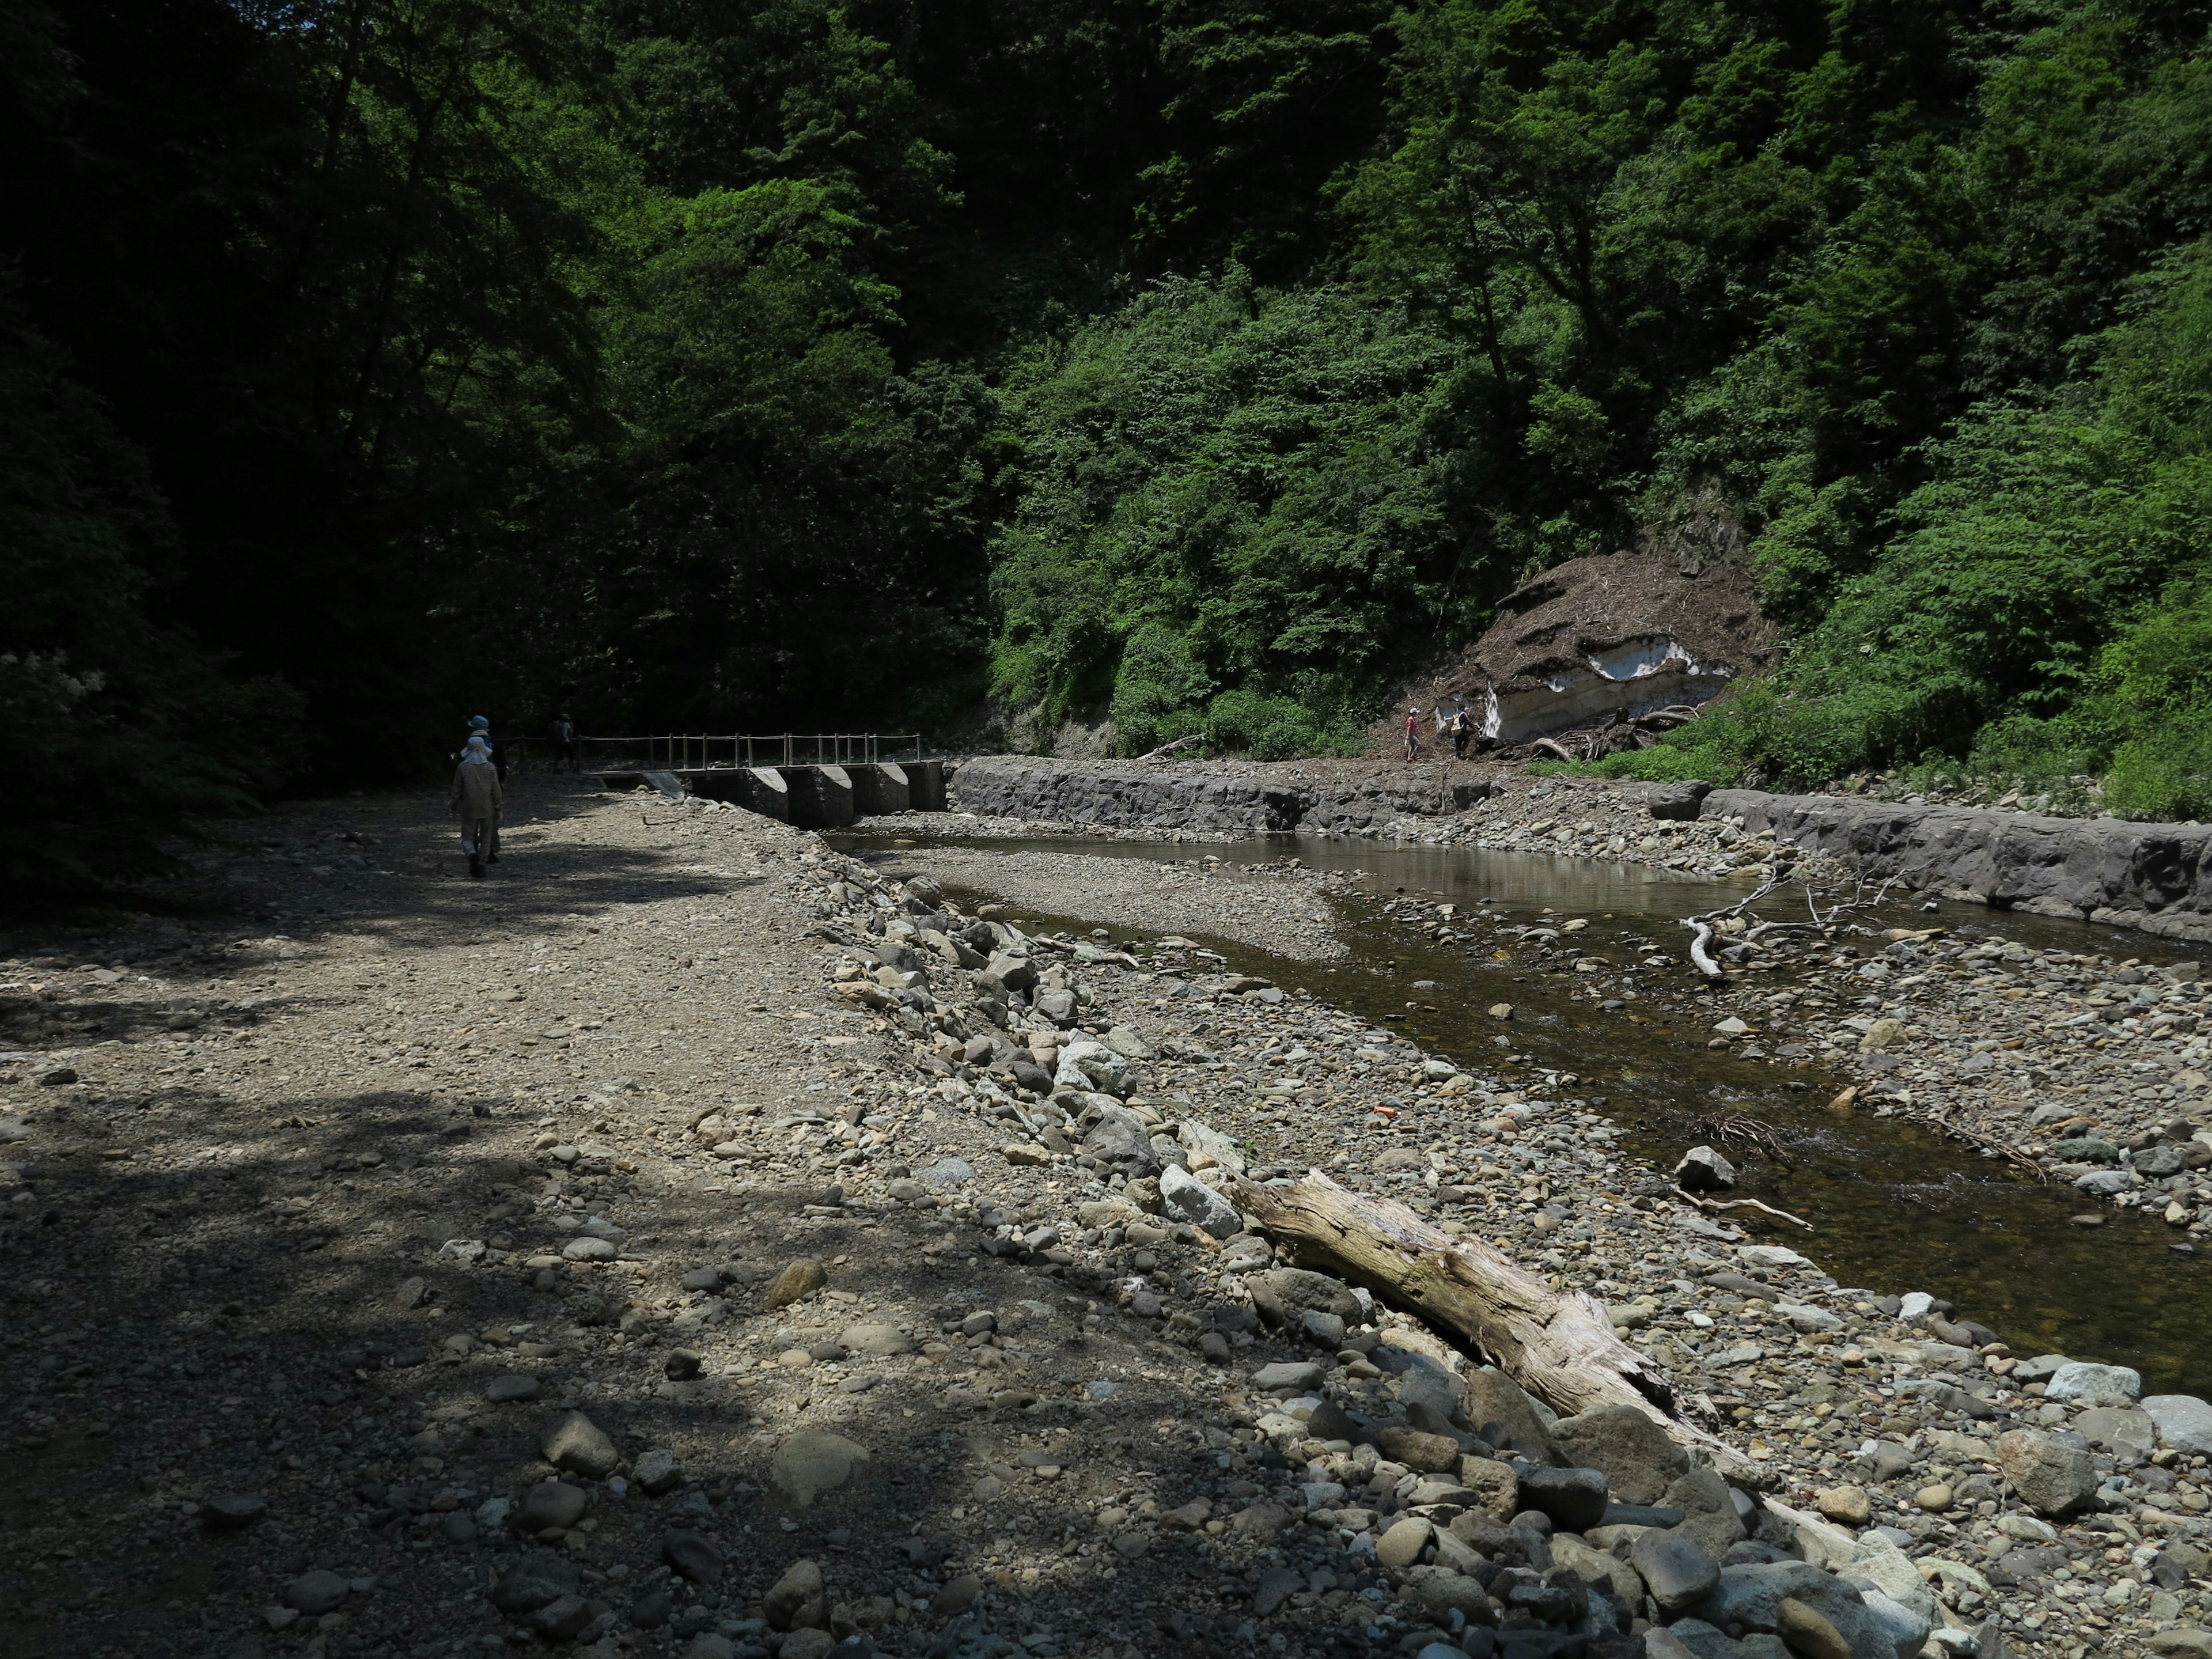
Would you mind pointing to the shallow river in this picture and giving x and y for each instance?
(1894, 1206)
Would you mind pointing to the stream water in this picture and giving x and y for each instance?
(1895, 1206)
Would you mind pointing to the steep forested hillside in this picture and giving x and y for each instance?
(778, 363)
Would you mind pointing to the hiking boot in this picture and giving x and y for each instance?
(476, 867)
(494, 858)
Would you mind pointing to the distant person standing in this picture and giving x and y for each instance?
(567, 751)
(480, 727)
(1412, 732)
(477, 800)
(1462, 728)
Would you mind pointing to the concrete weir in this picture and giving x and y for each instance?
(809, 797)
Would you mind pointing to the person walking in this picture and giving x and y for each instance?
(477, 800)
(1412, 732)
(1462, 728)
(566, 750)
(480, 726)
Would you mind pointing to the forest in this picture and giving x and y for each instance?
(792, 365)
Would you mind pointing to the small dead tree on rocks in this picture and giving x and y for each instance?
(1705, 927)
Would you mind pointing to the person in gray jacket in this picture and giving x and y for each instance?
(477, 800)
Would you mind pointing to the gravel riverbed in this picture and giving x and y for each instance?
(690, 1241)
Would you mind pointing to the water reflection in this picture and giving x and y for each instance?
(1895, 1205)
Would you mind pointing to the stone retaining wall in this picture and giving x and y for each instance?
(2156, 877)
(1137, 797)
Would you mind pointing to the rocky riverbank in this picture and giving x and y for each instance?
(694, 1240)
(2155, 877)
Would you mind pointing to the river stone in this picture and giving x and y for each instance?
(2079, 1379)
(1441, 1591)
(807, 1465)
(537, 1578)
(795, 1600)
(875, 1340)
(1891, 1570)
(228, 1510)
(1676, 802)
(1117, 1138)
(1907, 1631)
(1702, 1170)
(2050, 1479)
(1434, 1400)
(691, 1555)
(1288, 1376)
(1501, 1413)
(590, 1249)
(1640, 1463)
(1276, 1586)
(2118, 1428)
(1677, 1572)
(1184, 1197)
(503, 1391)
(562, 1619)
(1574, 1499)
(317, 1593)
(2184, 1422)
(1706, 1499)
(1594, 1566)
(1424, 1453)
(658, 1472)
(580, 1446)
(1197, 1137)
(1401, 1546)
(1091, 1065)
(1283, 1294)
(1808, 1634)
(1497, 1489)
(549, 1504)
(800, 1279)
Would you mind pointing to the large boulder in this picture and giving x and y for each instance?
(1574, 1499)
(1878, 1561)
(2051, 1478)
(1501, 1413)
(1640, 1463)
(2184, 1422)
(1676, 1571)
(1751, 1597)
(1117, 1138)
(1678, 802)
(1434, 1400)
(580, 1446)
(538, 1578)
(1712, 1521)
(1184, 1197)
(1283, 1294)
(1089, 1064)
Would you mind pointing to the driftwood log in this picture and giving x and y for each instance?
(1561, 1348)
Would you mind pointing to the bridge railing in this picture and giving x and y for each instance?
(685, 751)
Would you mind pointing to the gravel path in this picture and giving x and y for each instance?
(1278, 907)
(669, 1245)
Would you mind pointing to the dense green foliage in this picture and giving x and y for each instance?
(1249, 490)
(791, 364)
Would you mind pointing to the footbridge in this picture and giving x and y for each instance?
(817, 781)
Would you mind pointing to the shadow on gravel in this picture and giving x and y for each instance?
(213, 1330)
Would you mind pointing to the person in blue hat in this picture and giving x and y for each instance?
(480, 726)
(477, 799)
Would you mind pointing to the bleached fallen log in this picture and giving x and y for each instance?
(1560, 1346)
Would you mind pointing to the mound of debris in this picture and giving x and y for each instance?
(1627, 644)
